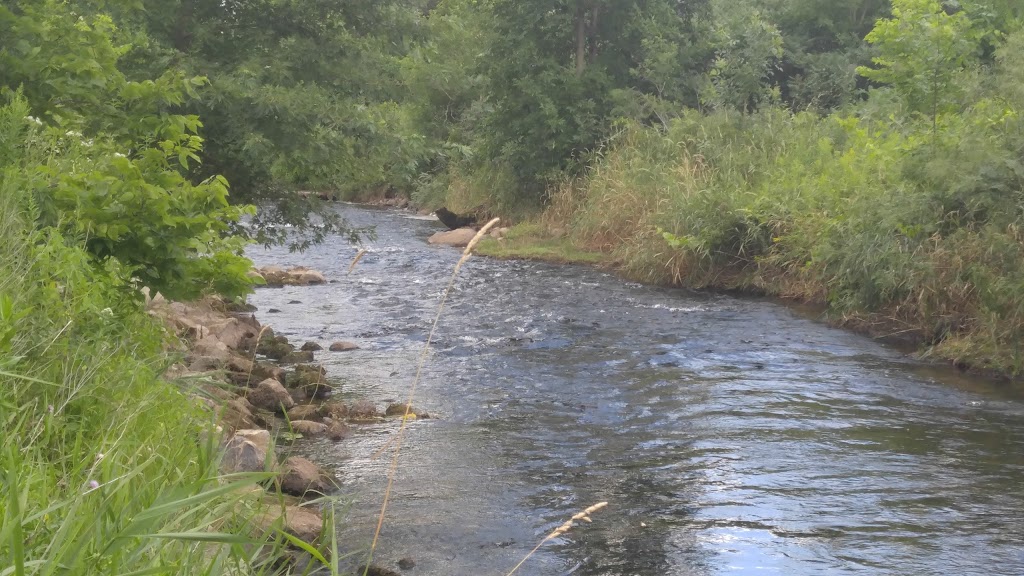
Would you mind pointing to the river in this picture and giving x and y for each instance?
(728, 435)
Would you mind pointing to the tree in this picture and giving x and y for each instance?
(921, 51)
(303, 95)
(104, 158)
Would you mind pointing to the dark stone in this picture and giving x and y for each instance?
(306, 374)
(398, 409)
(318, 390)
(311, 347)
(337, 431)
(406, 563)
(273, 311)
(276, 347)
(454, 221)
(295, 302)
(297, 357)
(299, 476)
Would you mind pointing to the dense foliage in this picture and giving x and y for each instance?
(864, 154)
(867, 154)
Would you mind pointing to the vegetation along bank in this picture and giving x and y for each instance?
(868, 155)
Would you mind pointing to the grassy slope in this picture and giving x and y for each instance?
(103, 466)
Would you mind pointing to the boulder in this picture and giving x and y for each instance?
(257, 372)
(308, 428)
(308, 374)
(299, 476)
(398, 409)
(458, 238)
(247, 451)
(318, 390)
(240, 364)
(297, 357)
(261, 371)
(311, 347)
(304, 412)
(343, 346)
(232, 332)
(297, 276)
(303, 523)
(270, 395)
(276, 347)
(237, 414)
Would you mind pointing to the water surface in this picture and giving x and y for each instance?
(729, 436)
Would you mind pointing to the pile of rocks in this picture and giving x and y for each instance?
(260, 383)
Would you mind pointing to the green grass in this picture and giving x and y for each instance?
(912, 228)
(107, 468)
(530, 241)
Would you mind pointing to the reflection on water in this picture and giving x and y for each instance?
(728, 436)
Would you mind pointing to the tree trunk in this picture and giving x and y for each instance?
(592, 32)
(183, 26)
(581, 37)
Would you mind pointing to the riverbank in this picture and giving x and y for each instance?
(685, 410)
(637, 250)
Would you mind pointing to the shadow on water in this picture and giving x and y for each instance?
(728, 435)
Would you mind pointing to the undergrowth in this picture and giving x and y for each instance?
(106, 467)
(902, 225)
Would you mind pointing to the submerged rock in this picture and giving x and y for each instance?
(363, 410)
(338, 431)
(343, 346)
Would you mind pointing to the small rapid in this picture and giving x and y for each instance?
(729, 435)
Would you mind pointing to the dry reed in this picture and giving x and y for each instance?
(565, 527)
(393, 469)
(359, 256)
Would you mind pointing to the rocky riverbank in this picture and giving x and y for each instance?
(266, 392)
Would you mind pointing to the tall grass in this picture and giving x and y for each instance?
(901, 225)
(104, 469)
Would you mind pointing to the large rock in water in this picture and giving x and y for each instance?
(458, 238)
(303, 523)
(299, 476)
(270, 395)
(297, 276)
(309, 428)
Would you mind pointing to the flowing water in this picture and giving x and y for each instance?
(729, 436)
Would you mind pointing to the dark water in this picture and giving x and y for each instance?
(729, 436)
